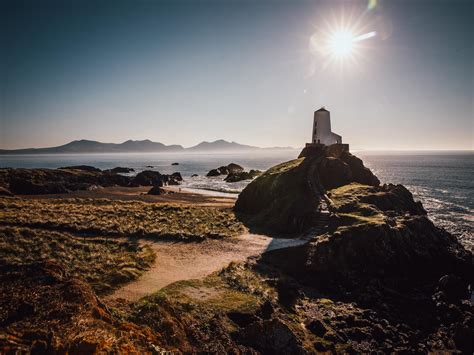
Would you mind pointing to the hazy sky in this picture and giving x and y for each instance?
(186, 71)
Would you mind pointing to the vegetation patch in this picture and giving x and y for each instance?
(131, 218)
(104, 264)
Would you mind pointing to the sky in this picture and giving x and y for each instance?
(181, 72)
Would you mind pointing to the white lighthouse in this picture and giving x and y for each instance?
(322, 129)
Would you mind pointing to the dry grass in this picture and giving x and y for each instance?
(346, 200)
(104, 264)
(119, 218)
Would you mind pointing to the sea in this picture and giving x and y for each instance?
(442, 180)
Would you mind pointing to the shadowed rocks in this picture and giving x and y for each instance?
(66, 179)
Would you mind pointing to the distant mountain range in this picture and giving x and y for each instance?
(130, 146)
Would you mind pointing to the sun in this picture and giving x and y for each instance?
(341, 44)
(343, 40)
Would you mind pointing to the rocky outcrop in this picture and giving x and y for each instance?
(64, 180)
(243, 175)
(29, 187)
(382, 253)
(234, 173)
(148, 178)
(213, 172)
(121, 170)
(286, 198)
(176, 176)
(343, 166)
(232, 168)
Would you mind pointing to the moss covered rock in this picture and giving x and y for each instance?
(287, 197)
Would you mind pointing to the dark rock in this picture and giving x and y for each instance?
(194, 175)
(27, 187)
(243, 175)
(121, 170)
(266, 310)
(48, 181)
(213, 172)
(81, 167)
(412, 254)
(242, 319)
(156, 190)
(271, 337)
(394, 198)
(149, 166)
(174, 163)
(464, 338)
(234, 168)
(147, 178)
(176, 176)
(223, 170)
(5, 192)
(453, 288)
(317, 327)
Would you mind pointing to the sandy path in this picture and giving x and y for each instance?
(184, 261)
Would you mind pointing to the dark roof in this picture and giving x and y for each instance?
(321, 109)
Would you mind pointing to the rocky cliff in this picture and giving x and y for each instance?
(288, 197)
(378, 251)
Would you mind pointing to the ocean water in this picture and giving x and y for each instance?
(442, 181)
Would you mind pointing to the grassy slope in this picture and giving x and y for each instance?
(279, 200)
(104, 264)
(129, 218)
(346, 198)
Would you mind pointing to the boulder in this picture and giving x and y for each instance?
(213, 172)
(156, 190)
(148, 178)
(223, 170)
(271, 337)
(232, 168)
(194, 175)
(174, 163)
(176, 176)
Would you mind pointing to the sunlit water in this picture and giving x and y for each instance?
(442, 181)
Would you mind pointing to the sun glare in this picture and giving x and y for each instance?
(342, 40)
(341, 44)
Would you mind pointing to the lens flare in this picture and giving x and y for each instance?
(341, 39)
(341, 44)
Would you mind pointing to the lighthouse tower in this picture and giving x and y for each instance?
(322, 129)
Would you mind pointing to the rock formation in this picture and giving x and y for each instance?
(234, 173)
(379, 251)
(287, 197)
(66, 179)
